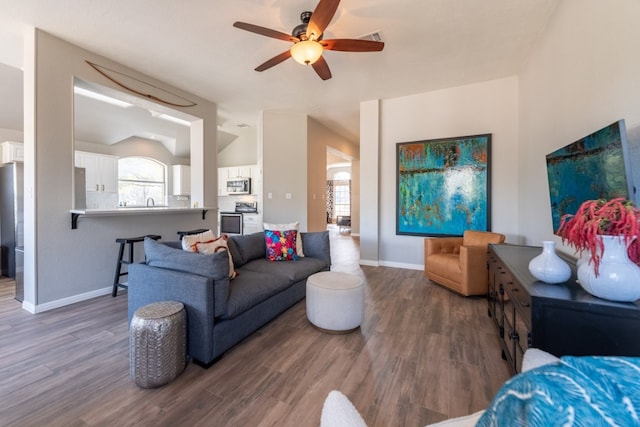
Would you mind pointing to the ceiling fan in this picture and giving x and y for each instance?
(308, 44)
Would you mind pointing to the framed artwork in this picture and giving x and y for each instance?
(443, 186)
(596, 166)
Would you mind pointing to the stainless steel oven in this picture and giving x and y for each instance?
(231, 223)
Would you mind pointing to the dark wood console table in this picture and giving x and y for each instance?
(561, 319)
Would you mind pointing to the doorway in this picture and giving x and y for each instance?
(339, 191)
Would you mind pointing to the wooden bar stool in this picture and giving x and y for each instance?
(119, 273)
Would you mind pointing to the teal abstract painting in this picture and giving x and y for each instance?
(593, 167)
(443, 186)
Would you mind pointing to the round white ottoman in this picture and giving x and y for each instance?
(335, 301)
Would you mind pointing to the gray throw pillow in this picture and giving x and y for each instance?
(317, 245)
(238, 261)
(250, 246)
(215, 266)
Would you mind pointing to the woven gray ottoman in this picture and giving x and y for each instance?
(158, 343)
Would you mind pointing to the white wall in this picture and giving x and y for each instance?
(11, 135)
(242, 151)
(489, 107)
(369, 182)
(584, 74)
(64, 265)
(320, 139)
(283, 145)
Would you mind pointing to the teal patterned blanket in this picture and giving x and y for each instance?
(577, 391)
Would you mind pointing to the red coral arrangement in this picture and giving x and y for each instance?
(595, 218)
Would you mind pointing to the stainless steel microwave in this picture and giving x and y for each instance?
(239, 186)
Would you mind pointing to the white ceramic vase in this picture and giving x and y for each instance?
(618, 278)
(548, 267)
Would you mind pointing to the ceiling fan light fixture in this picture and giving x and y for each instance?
(306, 52)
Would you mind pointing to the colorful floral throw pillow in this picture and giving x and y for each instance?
(281, 245)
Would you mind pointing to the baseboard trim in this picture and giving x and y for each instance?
(39, 308)
(402, 265)
(369, 263)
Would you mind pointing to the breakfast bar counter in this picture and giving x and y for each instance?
(151, 210)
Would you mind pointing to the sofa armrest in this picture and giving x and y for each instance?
(316, 245)
(149, 284)
(473, 259)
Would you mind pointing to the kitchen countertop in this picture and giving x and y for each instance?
(151, 210)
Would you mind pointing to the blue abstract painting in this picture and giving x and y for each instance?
(593, 167)
(443, 186)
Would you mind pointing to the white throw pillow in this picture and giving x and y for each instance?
(285, 227)
(535, 357)
(190, 240)
(338, 411)
(464, 421)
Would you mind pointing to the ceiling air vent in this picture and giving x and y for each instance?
(375, 36)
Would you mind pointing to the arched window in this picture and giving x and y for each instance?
(141, 182)
(341, 176)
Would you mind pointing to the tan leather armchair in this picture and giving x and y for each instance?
(460, 263)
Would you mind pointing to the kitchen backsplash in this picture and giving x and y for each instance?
(179, 201)
(105, 200)
(101, 200)
(228, 203)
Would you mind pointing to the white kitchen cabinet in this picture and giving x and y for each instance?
(246, 171)
(12, 152)
(181, 180)
(251, 223)
(101, 171)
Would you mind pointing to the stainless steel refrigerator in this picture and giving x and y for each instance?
(12, 224)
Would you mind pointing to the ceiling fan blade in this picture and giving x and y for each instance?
(352, 45)
(274, 61)
(322, 68)
(266, 32)
(321, 17)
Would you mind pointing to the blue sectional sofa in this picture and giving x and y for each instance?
(221, 311)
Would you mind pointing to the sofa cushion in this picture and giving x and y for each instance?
(294, 271)
(249, 246)
(317, 245)
(445, 265)
(209, 265)
(281, 245)
(250, 288)
(207, 243)
(217, 245)
(214, 266)
(234, 252)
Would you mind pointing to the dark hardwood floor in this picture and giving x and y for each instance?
(422, 355)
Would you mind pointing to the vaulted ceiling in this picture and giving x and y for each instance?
(429, 45)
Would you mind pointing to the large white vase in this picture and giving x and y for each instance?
(548, 267)
(618, 278)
